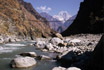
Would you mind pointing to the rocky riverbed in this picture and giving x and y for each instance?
(68, 52)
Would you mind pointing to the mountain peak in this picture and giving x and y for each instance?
(62, 16)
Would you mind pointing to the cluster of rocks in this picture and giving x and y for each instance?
(7, 39)
(72, 51)
(61, 45)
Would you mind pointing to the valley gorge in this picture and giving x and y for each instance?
(30, 40)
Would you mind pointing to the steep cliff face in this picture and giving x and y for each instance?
(90, 18)
(15, 19)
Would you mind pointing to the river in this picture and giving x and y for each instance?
(10, 50)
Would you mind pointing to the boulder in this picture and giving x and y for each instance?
(73, 68)
(56, 41)
(67, 57)
(49, 46)
(23, 62)
(40, 44)
(59, 68)
(59, 36)
(30, 54)
(74, 42)
(44, 50)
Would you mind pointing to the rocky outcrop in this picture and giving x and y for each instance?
(16, 19)
(90, 18)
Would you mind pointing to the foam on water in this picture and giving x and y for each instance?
(6, 49)
(6, 58)
(15, 45)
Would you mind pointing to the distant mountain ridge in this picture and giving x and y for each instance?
(54, 23)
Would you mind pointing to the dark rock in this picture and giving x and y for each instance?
(89, 44)
(96, 62)
(67, 59)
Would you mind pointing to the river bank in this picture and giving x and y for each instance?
(55, 48)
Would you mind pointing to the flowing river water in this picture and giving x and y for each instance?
(10, 50)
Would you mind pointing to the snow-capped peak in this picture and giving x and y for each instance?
(62, 16)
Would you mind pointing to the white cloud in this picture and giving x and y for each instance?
(62, 16)
(44, 9)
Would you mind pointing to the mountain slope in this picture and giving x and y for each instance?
(90, 18)
(16, 20)
(54, 23)
(30, 8)
(69, 21)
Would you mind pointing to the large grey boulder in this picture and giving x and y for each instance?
(23, 62)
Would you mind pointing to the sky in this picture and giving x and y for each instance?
(54, 7)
